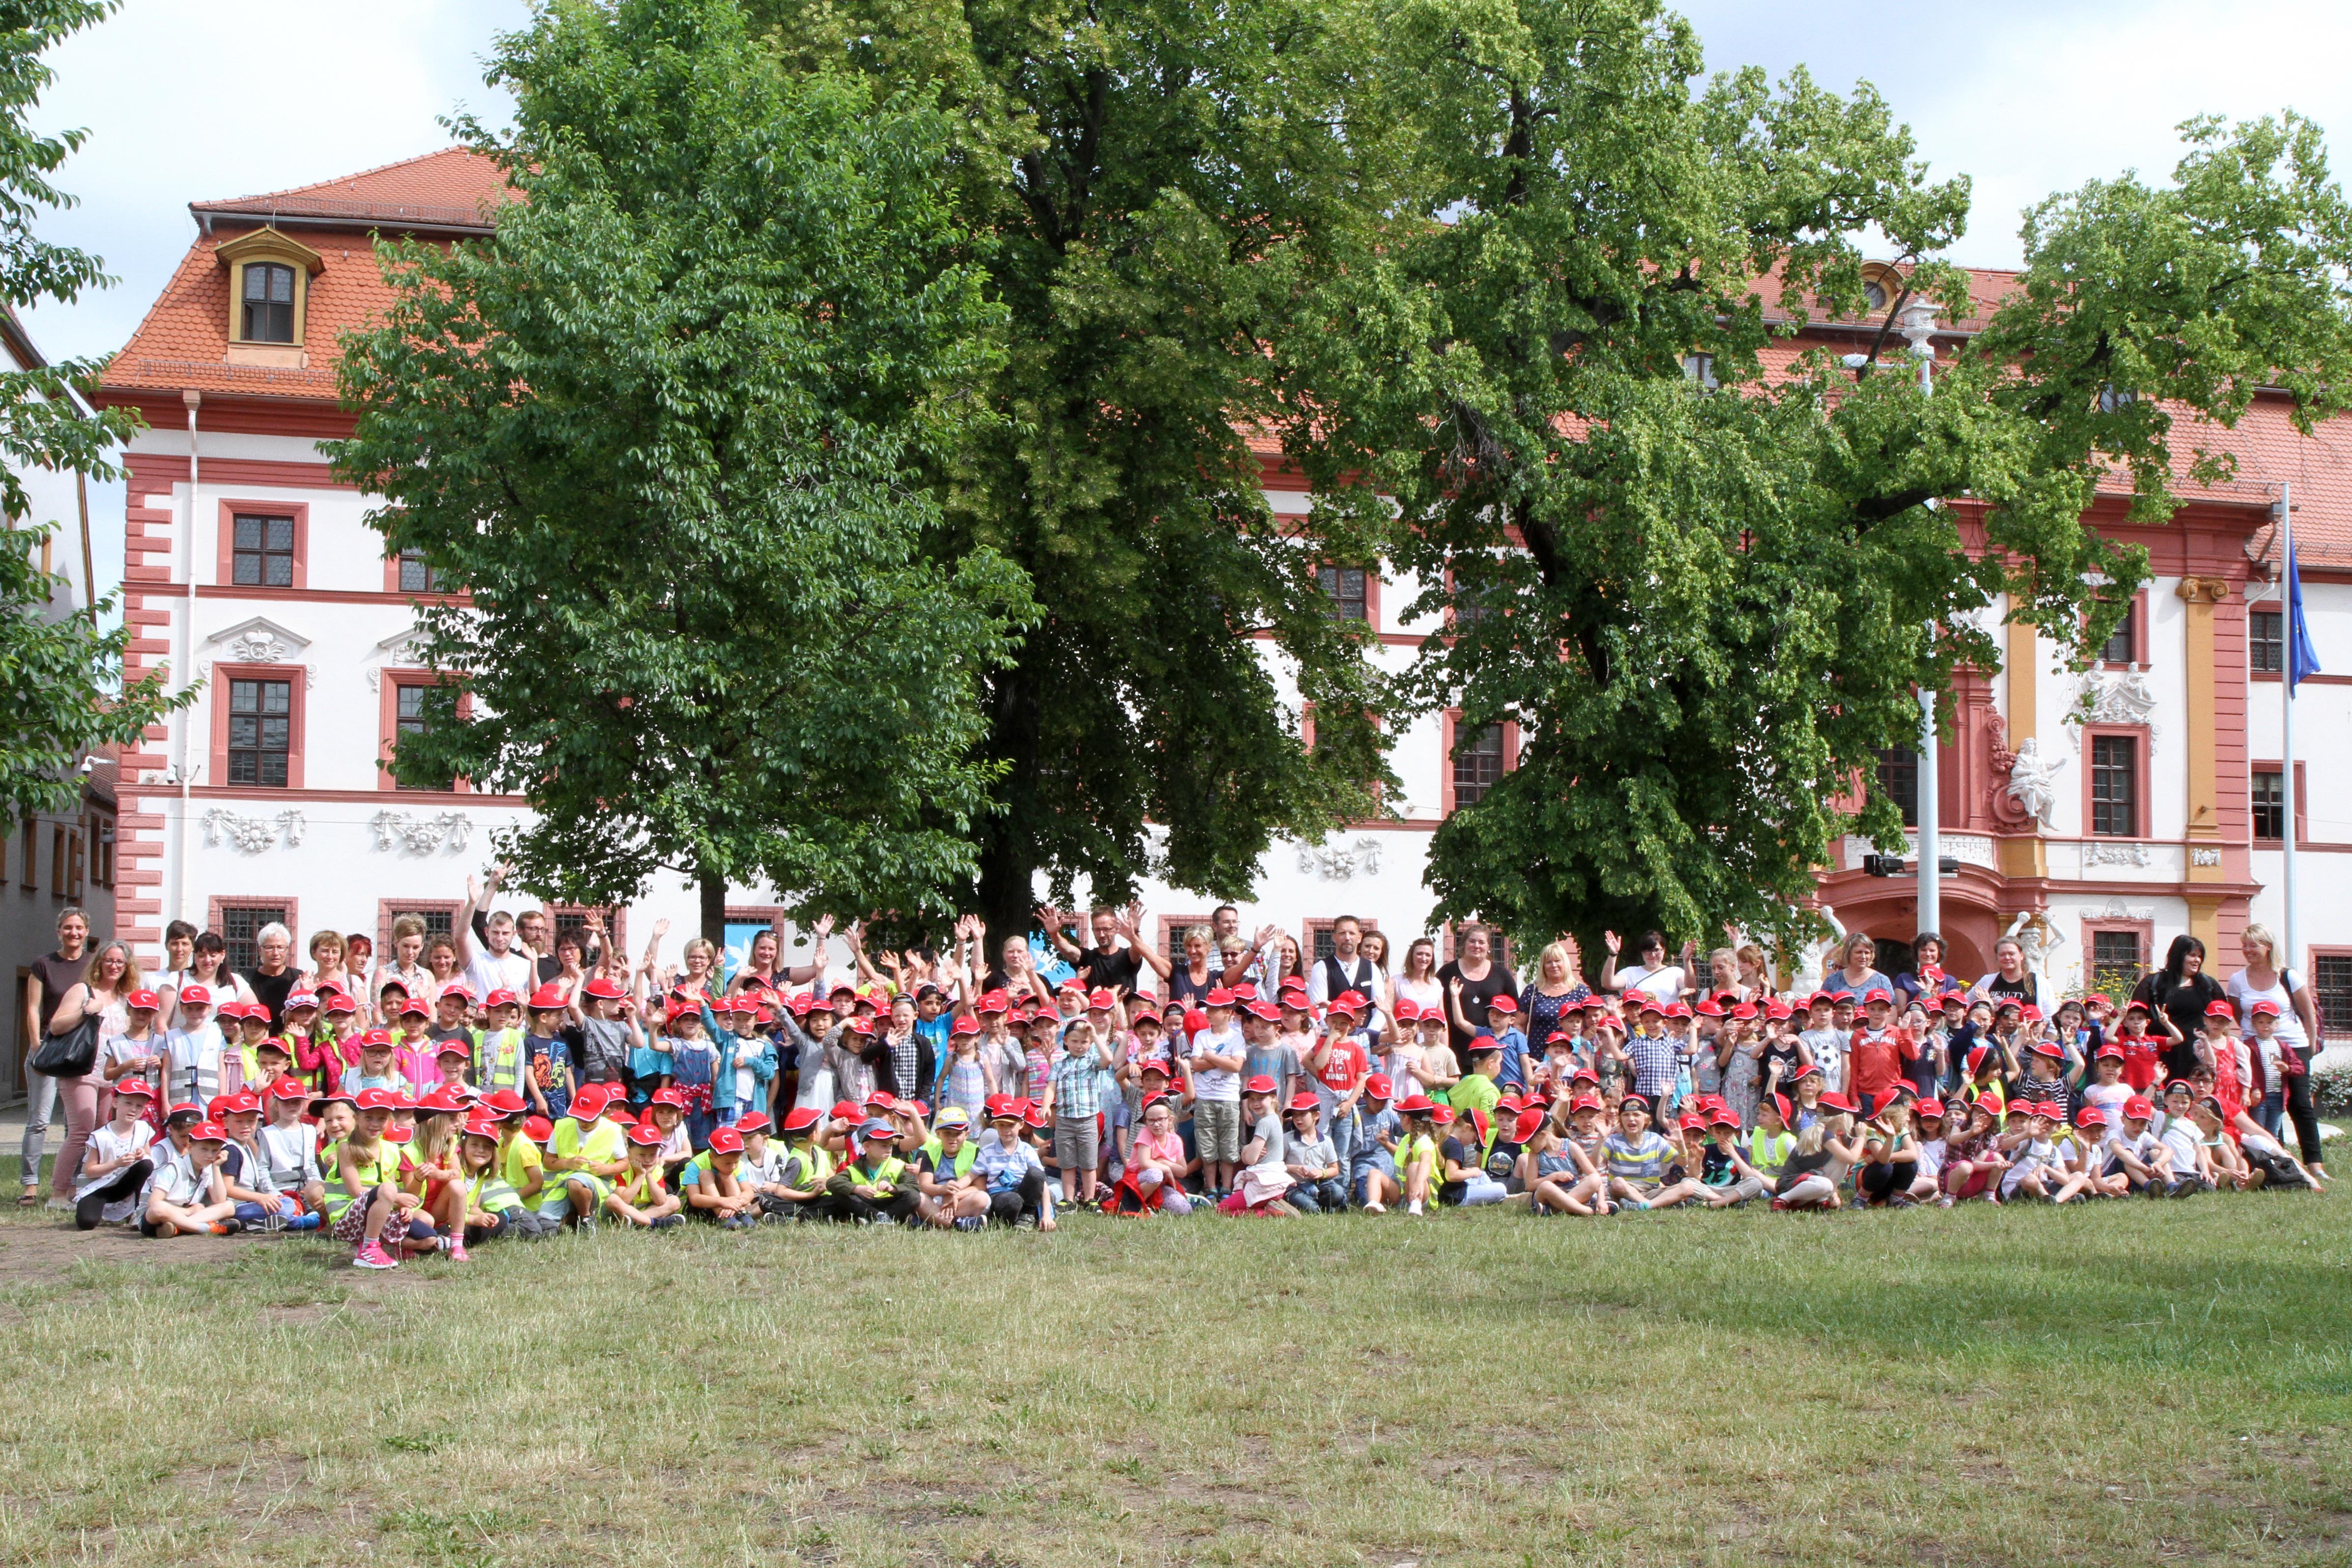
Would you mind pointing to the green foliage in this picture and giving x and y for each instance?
(1706, 613)
(60, 679)
(1151, 179)
(662, 430)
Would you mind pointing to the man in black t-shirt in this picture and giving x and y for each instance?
(1107, 964)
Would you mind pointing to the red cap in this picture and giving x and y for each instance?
(1560, 1038)
(415, 1006)
(483, 1126)
(136, 1087)
(1692, 1121)
(644, 1137)
(538, 1129)
(967, 1025)
(378, 1100)
(506, 1102)
(2092, 1116)
(726, 1141)
(1408, 1011)
(1100, 1000)
(1526, 1126)
(588, 1102)
(1722, 1116)
(548, 999)
(207, 1132)
(995, 1002)
(1743, 1010)
(1709, 1008)
(445, 1100)
(752, 1122)
(2266, 1008)
(846, 1110)
(1878, 994)
(800, 1118)
(1302, 1101)
(2109, 1053)
(230, 1104)
(1583, 1102)
(1378, 1087)
(1415, 1105)
(1218, 997)
(2138, 1107)
(1195, 1020)
(453, 1048)
(860, 1027)
(1501, 1004)
(457, 988)
(139, 999)
(1833, 1100)
(1928, 1106)
(2220, 1010)
(1261, 1084)
(1650, 1005)
(605, 989)
(674, 1099)
(195, 996)
(1264, 1010)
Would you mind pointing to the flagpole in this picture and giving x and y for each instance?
(2288, 625)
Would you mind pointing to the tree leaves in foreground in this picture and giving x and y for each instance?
(1706, 613)
(661, 429)
(61, 692)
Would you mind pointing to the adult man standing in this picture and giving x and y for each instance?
(1347, 969)
(495, 964)
(1107, 965)
(53, 974)
(535, 941)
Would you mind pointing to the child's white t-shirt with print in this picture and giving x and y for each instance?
(1828, 1047)
(107, 1144)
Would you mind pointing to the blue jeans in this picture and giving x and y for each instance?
(2271, 1111)
(1346, 1131)
(1319, 1198)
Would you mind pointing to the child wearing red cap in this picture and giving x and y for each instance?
(1312, 1160)
(365, 1202)
(188, 1195)
(1213, 1060)
(117, 1161)
(1074, 1100)
(1818, 1164)
(1154, 1180)
(192, 1053)
(1417, 1152)
(640, 1198)
(133, 1051)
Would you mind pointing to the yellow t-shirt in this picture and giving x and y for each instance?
(516, 1167)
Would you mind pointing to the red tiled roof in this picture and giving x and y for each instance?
(183, 340)
(454, 188)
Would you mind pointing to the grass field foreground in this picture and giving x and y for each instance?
(2161, 1382)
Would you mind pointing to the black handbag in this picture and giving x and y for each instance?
(69, 1055)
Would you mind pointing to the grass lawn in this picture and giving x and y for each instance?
(2156, 1382)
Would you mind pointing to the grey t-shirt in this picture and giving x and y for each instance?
(1268, 1128)
(603, 1050)
(1313, 1153)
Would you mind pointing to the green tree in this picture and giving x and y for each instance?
(1706, 612)
(660, 430)
(1147, 182)
(61, 692)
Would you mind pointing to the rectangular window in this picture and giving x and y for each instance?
(437, 920)
(416, 574)
(2269, 805)
(2331, 988)
(2123, 645)
(2266, 640)
(1478, 765)
(30, 875)
(240, 923)
(1699, 370)
(264, 554)
(260, 732)
(73, 864)
(1344, 587)
(2115, 785)
(1898, 780)
(268, 302)
(2116, 962)
(408, 716)
(1171, 936)
(57, 862)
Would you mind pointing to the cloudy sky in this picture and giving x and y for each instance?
(190, 99)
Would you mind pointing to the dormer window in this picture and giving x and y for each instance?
(268, 302)
(269, 278)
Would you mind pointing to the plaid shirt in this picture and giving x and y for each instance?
(1075, 1094)
(1655, 1059)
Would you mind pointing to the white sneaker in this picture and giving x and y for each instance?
(1413, 1208)
(1370, 1207)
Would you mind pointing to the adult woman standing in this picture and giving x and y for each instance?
(404, 966)
(1472, 980)
(1417, 982)
(2181, 990)
(1755, 974)
(1855, 976)
(1375, 950)
(1653, 976)
(1196, 976)
(53, 974)
(207, 967)
(271, 979)
(2263, 980)
(1556, 990)
(112, 975)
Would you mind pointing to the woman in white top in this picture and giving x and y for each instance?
(1375, 952)
(2297, 1029)
(207, 965)
(1653, 976)
(1417, 982)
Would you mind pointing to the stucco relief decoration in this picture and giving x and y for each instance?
(254, 834)
(260, 641)
(2030, 793)
(2114, 697)
(420, 835)
(2116, 909)
(1340, 862)
(393, 649)
(2115, 855)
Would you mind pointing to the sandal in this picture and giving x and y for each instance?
(32, 1196)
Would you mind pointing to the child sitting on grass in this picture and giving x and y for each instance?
(117, 1164)
(189, 1196)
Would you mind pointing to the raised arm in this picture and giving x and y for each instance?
(473, 916)
(801, 973)
(1129, 924)
(1610, 944)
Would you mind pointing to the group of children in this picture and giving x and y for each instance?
(511, 1118)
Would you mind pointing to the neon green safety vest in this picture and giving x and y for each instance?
(883, 1180)
(962, 1164)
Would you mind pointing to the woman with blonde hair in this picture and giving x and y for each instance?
(1197, 975)
(2263, 979)
(102, 993)
(1417, 982)
(1556, 990)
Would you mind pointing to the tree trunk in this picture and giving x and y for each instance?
(714, 910)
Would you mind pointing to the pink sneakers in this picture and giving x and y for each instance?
(457, 1250)
(372, 1254)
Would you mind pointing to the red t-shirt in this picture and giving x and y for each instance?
(1345, 1067)
(1877, 1062)
(2142, 1057)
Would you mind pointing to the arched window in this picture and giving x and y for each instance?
(268, 302)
